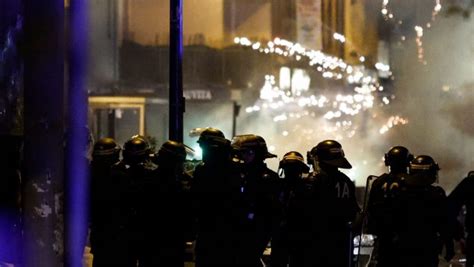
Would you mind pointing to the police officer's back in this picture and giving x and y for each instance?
(260, 189)
(322, 210)
(165, 210)
(133, 174)
(103, 225)
(382, 199)
(214, 190)
(292, 168)
(421, 217)
(463, 194)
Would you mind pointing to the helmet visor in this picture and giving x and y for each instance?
(342, 163)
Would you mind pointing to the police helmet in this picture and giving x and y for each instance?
(213, 137)
(148, 140)
(136, 149)
(423, 164)
(172, 151)
(330, 152)
(106, 148)
(255, 143)
(423, 171)
(293, 158)
(398, 156)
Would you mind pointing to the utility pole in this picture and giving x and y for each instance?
(176, 99)
(235, 114)
(42, 183)
(235, 96)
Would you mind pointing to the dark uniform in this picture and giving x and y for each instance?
(382, 201)
(321, 210)
(421, 225)
(165, 212)
(463, 194)
(292, 167)
(261, 208)
(103, 225)
(261, 213)
(135, 182)
(215, 190)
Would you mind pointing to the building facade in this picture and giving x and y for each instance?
(213, 65)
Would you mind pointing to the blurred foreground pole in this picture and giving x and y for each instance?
(11, 129)
(176, 99)
(43, 132)
(77, 178)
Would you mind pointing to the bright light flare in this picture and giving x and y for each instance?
(339, 37)
(392, 121)
(331, 67)
(419, 44)
(382, 67)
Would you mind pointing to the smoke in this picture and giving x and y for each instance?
(460, 115)
(431, 112)
(436, 98)
(364, 146)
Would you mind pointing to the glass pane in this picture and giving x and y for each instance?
(127, 121)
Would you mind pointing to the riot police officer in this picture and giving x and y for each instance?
(292, 168)
(322, 211)
(165, 210)
(421, 225)
(381, 203)
(463, 195)
(214, 189)
(260, 189)
(106, 152)
(132, 175)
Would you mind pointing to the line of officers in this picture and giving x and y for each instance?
(144, 208)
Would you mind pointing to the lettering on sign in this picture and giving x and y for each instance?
(197, 94)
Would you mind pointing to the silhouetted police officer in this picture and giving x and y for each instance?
(215, 187)
(132, 175)
(421, 225)
(260, 189)
(164, 209)
(381, 203)
(292, 168)
(463, 194)
(322, 209)
(103, 227)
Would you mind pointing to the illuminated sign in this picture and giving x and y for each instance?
(197, 94)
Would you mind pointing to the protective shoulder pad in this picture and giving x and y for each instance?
(439, 191)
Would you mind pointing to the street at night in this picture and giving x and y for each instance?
(277, 133)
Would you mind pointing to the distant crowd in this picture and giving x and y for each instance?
(146, 209)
